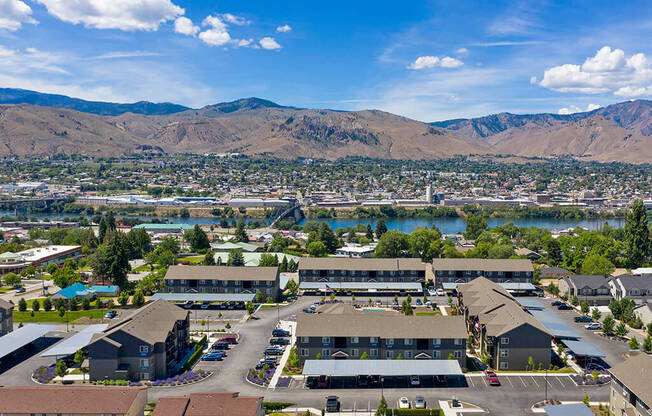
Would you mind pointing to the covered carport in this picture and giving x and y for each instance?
(381, 373)
(21, 337)
(585, 352)
(555, 325)
(361, 287)
(205, 297)
(76, 342)
(530, 304)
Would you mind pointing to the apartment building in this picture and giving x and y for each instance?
(203, 404)
(497, 270)
(591, 288)
(223, 279)
(38, 257)
(351, 334)
(146, 345)
(631, 394)
(72, 400)
(343, 269)
(502, 330)
(6, 317)
(635, 287)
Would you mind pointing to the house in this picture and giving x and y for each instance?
(635, 287)
(164, 228)
(342, 269)
(465, 245)
(252, 259)
(77, 291)
(72, 400)
(228, 246)
(553, 273)
(591, 288)
(630, 387)
(642, 271)
(105, 291)
(644, 311)
(356, 251)
(502, 329)
(6, 317)
(208, 404)
(464, 270)
(223, 279)
(147, 345)
(529, 254)
(345, 333)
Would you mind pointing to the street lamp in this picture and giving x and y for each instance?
(546, 381)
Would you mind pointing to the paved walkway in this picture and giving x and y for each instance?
(288, 326)
(454, 411)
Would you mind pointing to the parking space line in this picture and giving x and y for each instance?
(562, 384)
(549, 383)
(470, 379)
(535, 382)
(567, 379)
(485, 381)
(510, 381)
(521, 378)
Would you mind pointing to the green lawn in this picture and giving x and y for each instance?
(195, 260)
(53, 316)
(277, 305)
(143, 268)
(427, 313)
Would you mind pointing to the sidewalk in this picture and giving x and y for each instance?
(454, 411)
(541, 410)
(288, 326)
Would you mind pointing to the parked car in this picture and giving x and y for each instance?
(419, 402)
(557, 303)
(593, 326)
(270, 361)
(230, 340)
(221, 345)
(213, 356)
(583, 318)
(279, 341)
(414, 380)
(20, 290)
(188, 304)
(311, 309)
(440, 292)
(440, 380)
(332, 404)
(322, 382)
(275, 350)
(492, 378)
(205, 305)
(110, 314)
(564, 307)
(403, 403)
(419, 302)
(280, 333)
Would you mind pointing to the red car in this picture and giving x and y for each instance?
(230, 340)
(492, 378)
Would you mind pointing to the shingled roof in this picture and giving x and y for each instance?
(208, 404)
(221, 273)
(363, 264)
(636, 373)
(485, 265)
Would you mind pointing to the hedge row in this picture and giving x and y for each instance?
(199, 350)
(275, 406)
(415, 412)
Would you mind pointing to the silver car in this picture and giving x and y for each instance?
(419, 402)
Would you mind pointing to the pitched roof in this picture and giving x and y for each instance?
(68, 399)
(364, 264)
(636, 373)
(635, 281)
(592, 281)
(344, 323)
(556, 270)
(163, 226)
(486, 265)
(208, 404)
(5, 305)
(78, 289)
(151, 323)
(221, 273)
(235, 246)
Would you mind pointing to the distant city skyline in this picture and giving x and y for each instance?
(427, 60)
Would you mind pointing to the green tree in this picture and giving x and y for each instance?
(475, 225)
(171, 244)
(530, 363)
(647, 344)
(139, 243)
(370, 233)
(36, 305)
(138, 298)
(621, 329)
(22, 305)
(123, 298)
(102, 230)
(251, 308)
(596, 314)
(61, 368)
(608, 324)
(317, 249)
(62, 311)
(198, 240)
(235, 258)
(425, 244)
(47, 304)
(575, 300)
(553, 249)
(86, 304)
(268, 260)
(73, 303)
(12, 279)
(28, 271)
(392, 244)
(381, 228)
(633, 344)
(209, 259)
(597, 264)
(637, 236)
(283, 267)
(649, 329)
(382, 407)
(240, 233)
(51, 268)
(584, 307)
(79, 357)
(364, 356)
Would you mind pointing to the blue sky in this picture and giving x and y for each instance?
(428, 60)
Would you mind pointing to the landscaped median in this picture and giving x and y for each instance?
(55, 317)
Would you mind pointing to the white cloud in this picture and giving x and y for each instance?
(508, 43)
(126, 15)
(244, 42)
(462, 51)
(217, 35)
(609, 71)
(284, 28)
(13, 13)
(269, 43)
(424, 62)
(185, 26)
(572, 109)
(123, 55)
(235, 20)
(533, 80)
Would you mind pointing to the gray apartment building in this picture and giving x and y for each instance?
(501, 329)
(223, 279)
(6, 317)
(345, 269)
(634, 287)
(496, 270)
(350, 334)
(593, 289)
(147, 345)
(631, 394)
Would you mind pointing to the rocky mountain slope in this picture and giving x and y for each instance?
(621, 132)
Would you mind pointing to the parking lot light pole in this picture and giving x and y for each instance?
(546, 381)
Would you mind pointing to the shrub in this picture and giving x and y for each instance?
(47, 304)
(22, 305)
(199, 349)
(275, 406)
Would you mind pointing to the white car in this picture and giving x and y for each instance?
(403, 403)
(440, 292)
(593, 325)
(414, 380)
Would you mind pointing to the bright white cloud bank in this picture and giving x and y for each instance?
(609, 71)
(114, 14)
(217, 35)
(424, 62)
(575, 109)
(185, 26)
(269, 43)
(13, 13)
(284, 28)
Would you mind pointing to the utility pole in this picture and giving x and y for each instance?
(546, 381)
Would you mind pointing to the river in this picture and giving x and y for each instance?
(406, 225)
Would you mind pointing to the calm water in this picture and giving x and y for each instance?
(406, 225)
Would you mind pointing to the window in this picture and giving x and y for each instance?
(304, 340)
(436, 354)
(144, 376)
(355, 352)
(325, 340)
(373, 352)
(458, 341)
(504, 353)
(304, 352)
(144, 349)
(144, 363)
(389, 341)
(437, 341)
(325, 353)
(355, 340)
(503, 365)
(408, 341)
(408, 354)
(373, 340)
(457, 354)
(504, 340)
(389, 354)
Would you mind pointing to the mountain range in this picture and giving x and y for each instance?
(37, 124)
